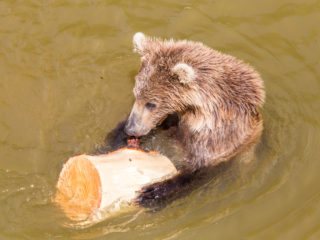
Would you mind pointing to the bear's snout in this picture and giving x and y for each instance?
(130, 128)
(136, 126)
(139, 122)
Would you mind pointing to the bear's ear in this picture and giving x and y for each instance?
(185, 73)
(140, 42)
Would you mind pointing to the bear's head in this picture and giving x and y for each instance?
(206, 88)
(162, 84)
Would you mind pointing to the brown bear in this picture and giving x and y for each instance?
(215, 96)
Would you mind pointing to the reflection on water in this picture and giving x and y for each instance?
(67, 71)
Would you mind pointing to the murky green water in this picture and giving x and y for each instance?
(66, 76)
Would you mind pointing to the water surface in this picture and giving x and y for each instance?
(67, 71)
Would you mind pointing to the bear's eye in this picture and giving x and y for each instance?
(150, 106)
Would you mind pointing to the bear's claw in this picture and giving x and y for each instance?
(152, 195)
(160, 193)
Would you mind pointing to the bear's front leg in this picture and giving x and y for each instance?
(117, 138)
(160, 193)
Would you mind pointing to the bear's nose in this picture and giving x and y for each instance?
(130, 126)
(130, 131)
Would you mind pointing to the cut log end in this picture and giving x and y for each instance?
(79, 188)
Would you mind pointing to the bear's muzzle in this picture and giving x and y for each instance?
(137, 124)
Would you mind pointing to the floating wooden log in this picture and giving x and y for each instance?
(91, 188)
